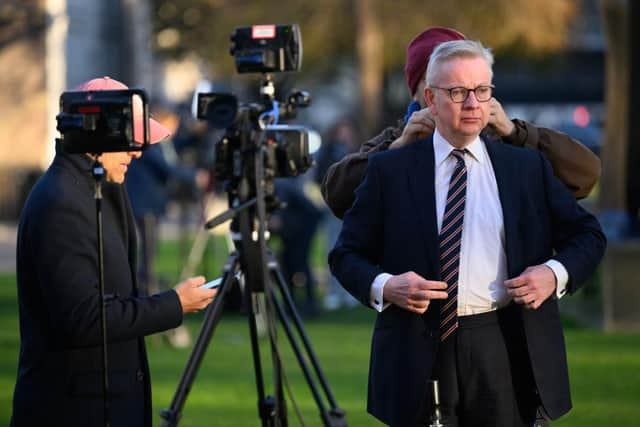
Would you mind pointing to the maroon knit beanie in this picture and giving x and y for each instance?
(420, 49)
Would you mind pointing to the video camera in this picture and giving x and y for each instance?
(265, 49)
(102, 121)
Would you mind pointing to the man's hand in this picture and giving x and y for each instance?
(192, 297)
(498, 119)
(533, 286)
(412, 292)
(421, 124)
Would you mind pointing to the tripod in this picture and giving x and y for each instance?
(259, 268)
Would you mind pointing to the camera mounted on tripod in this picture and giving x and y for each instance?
(254, 150)
(102, 121)
(251, 126)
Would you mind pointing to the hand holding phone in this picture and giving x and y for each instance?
(217, 282)
(212, 284)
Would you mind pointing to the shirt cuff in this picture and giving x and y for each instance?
(376, 293)
(562, 276)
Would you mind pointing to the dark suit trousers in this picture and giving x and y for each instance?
(484, 373)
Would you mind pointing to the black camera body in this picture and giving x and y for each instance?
(287, 153)
(286, 146)
(267, 48)
(101, 121)
(291, 149)
(254, 126)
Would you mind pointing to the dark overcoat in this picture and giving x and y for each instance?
(60, 367)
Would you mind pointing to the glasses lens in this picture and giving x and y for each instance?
(483, 93)
(459, 94)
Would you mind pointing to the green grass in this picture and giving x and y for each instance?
(225, 393)
(604, 368)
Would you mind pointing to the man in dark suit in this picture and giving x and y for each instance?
(60, 368)
(464, 247)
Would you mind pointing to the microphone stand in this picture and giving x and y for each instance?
(437, 418)
(97, 171)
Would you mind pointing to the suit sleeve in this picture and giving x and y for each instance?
(66, 263)
(577, 166)
(578, 240)
(343, 177)
(355, 259)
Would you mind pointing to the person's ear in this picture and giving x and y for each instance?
(430, 98)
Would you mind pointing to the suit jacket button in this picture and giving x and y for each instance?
(140, 375)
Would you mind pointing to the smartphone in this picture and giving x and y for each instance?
(212, 284)
(217, 282)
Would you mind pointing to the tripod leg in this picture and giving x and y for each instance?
(335, 417)
(296, 349)
(280, 402)
(267, 406)
(212, 315)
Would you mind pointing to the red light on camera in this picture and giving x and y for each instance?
(89, 109)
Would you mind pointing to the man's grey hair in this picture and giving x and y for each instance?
(447, 51)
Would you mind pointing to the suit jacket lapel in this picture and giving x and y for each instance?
(422, 189)
(506, 172)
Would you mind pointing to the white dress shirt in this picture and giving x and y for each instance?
(483, 262)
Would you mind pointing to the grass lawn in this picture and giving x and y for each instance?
(605, 368)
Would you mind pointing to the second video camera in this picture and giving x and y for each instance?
(265, 49)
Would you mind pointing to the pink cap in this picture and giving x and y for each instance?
(157, 132)
(420, 49)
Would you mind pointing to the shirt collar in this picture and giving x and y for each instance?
(442, 149)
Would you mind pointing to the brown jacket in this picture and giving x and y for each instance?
(572, 162)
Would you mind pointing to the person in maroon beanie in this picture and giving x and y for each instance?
(572, 162)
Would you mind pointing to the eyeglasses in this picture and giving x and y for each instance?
(460, 94)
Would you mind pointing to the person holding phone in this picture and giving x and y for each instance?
(59, 379)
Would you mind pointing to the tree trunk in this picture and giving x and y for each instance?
(633, 143)
(369, 44)
(139, 62)
(613, 183)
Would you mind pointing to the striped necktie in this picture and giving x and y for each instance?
(450, 238)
